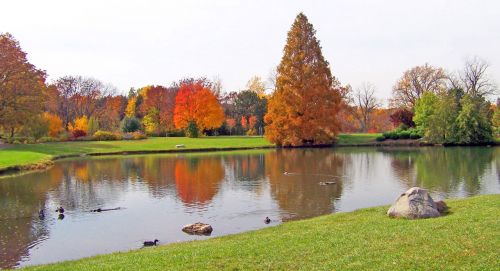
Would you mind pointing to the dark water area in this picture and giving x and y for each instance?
(232, 191)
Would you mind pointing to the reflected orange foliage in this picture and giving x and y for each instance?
(198, 179)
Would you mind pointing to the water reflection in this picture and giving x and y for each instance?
(444, 170)
(233, 191)
(295, 176)
(198, 179)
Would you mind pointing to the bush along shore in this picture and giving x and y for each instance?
(466, 238)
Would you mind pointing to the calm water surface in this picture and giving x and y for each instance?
(233, 191)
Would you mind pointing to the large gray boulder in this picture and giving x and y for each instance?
(414, 203)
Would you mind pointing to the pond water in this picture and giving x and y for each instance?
(232, 191)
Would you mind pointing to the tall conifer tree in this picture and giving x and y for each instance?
(303, 108)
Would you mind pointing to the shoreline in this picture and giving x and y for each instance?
(46, 164)
(361, 236)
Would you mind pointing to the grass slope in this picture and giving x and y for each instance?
(468, 238)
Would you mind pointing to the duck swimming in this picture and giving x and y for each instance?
(60, 210)
(267, 220)
(151, 243)
(41, 214)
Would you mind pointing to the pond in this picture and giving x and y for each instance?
(232, 191)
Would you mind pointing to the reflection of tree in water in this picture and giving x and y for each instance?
(443, 169)
(87, 184)
(19, 205)
(247, 170)
(198, 179)
(299, 193)
(159, 173)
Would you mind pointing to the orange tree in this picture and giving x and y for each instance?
(304, 106)
(196, 104)
(22, 86)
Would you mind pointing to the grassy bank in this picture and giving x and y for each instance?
(34, 156)
(466, 239)
(20, 155)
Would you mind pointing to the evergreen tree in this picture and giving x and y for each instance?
(303, 108)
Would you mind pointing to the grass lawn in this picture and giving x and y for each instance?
(348, 139)
(24, 154)
(466, 239)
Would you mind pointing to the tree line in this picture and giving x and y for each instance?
(307, 104)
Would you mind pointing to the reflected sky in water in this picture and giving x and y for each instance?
(233, 191)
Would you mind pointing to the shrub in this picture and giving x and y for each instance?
(402, 133)
(65, 136)
(93, 125)
(175, 133)
(192, 130)
(130, 125)
(106, 136)
(380, 138)
(78, 133)
(138, 135)
(36, 127)
(55, 124)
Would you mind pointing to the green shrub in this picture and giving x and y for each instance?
(175, 133)
(404, 134)
(380, 138)
(192, 130)
(106, 136)
(130, 125)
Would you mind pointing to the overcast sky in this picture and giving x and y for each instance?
(138, 43)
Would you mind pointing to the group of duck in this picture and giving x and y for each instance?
(267, 220)
(60, 210)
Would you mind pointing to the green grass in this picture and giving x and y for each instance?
(24, 154)
(353, 139)
(466, 239)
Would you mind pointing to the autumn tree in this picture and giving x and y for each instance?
(111, 110)
(78, 96)
(55, 124)
(79, 126)
(415, 82)
(22, 86)
(304, 106)
(402, 116)
(365, 104)
(256, 85)
(160, 101)
(196, 104)
(248, 103)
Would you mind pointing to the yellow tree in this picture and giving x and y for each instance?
(304, 106)
(256, 85)
(22, 86)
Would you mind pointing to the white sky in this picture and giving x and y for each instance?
(137, 43)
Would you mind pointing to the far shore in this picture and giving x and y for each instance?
(15, 159)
